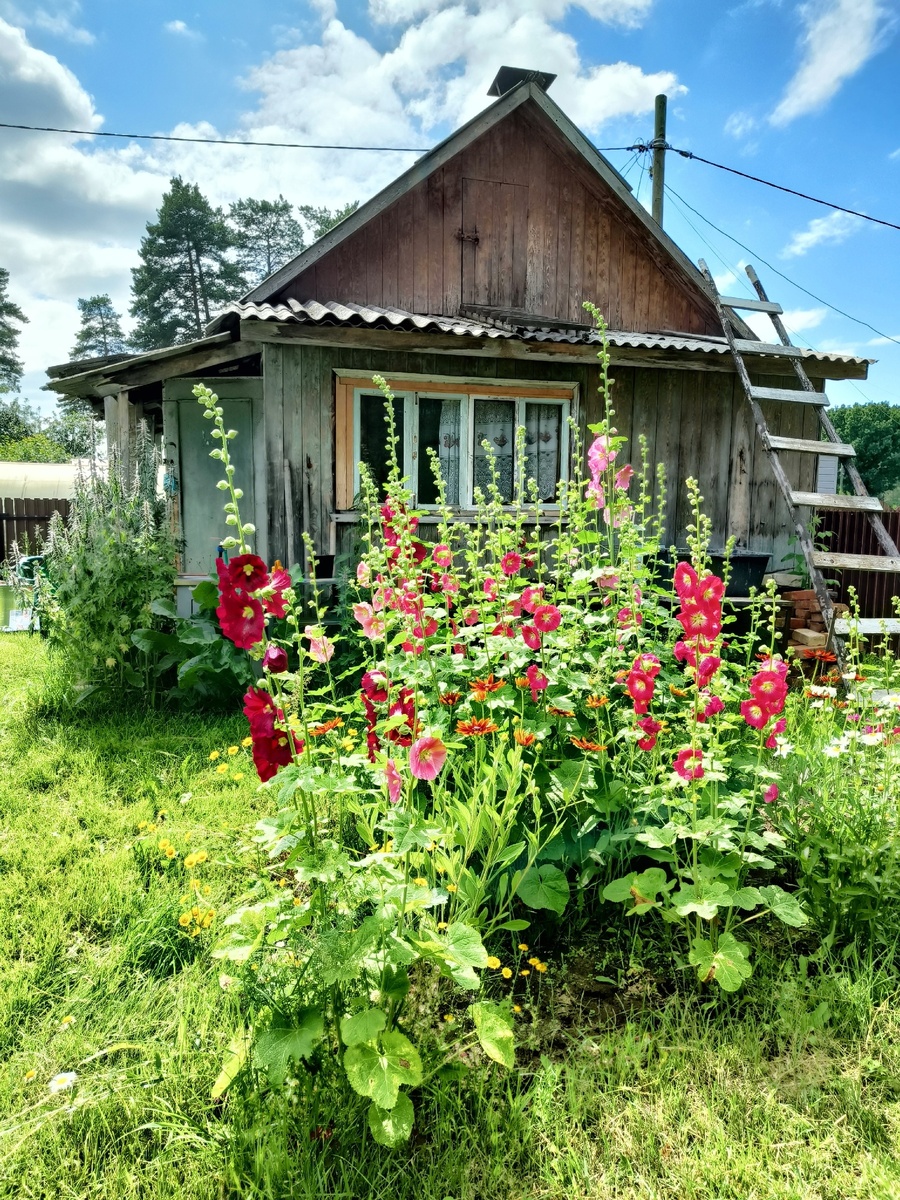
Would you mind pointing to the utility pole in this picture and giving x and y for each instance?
(658, 170)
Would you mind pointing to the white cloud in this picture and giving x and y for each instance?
(180, 29)
(75, 209)
(835, 228)
(839, 38)
(894, 154)
(796, 320)
(740, 125)
(59, 20)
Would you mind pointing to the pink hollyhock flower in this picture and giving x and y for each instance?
(648, 663)
(600, 455)
(394, 781)
(547, 618)
(689, 763)
(320, 648)
(442, 555)
(513, 608)
(532, 597)
(363, 574)
(537, 681)
(706, 669)
(608, 580)
(510, 564)
(628, 618)
(489, 587)
(778, 728)
(241, 618)
(595, 492)
(755, 714)
(471, 616)
(449, 585)
(426, 757)
(639, 687)
(275, 659)
(651, 728)
(775, 664)
(531, 637)
(710, 590)
(685, 579)
(770, 794)
(279, 582)
(700, 620)
(624, 477)
(372, 624)
(620, 517)
(769, 688)
(714, 705)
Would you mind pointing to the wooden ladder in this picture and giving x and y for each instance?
(860, 501)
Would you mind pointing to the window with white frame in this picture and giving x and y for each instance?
(455, 426)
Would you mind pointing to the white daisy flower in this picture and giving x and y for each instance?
(63, 1081)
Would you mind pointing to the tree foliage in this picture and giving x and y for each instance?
(320, 220)
(17, 420)
(186, 273)
(874, 431)
(36, 448)
(75, 431)
(101, 330)
(10, 316)
(266, 236)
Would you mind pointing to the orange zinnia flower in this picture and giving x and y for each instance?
(481, 687)
(523, 738)
(597, 701)
(585, 744)
(827, 656)
(450, 698)
(326, 727)
(477, 727)
(560, 712)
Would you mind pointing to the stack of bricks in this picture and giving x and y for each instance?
(808, 628)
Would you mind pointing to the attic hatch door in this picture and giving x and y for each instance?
(494, 239)
(187, 443)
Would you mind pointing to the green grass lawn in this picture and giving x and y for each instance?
(786, 1092)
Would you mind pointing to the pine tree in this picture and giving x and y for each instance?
(101, 331)
(320, 220)
(266, 236)
(10, 363)
(186, 274)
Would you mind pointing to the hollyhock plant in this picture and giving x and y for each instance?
(427, 756)
(274, 601)
(537, 681)
(689, 763)
(639, 687)
(531, 637)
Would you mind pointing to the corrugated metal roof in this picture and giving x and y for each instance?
(334, 313)
(41, 481)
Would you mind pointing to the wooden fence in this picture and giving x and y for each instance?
(851, 533)
(23, 520)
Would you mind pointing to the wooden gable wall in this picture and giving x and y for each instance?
(517, 219)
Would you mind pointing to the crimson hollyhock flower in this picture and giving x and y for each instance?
(241, 619)
(531, 637)
(547, 618)
(755, 714)
(489, 587)
(648, 663)
(375, 686)
(640, 686)
(275, 659)
(270, 753)
(537, 681)
(427, 756)
(714, 705)
(442, 555)
(689, 763)
(261, 712)
(701, 620)
(651, 728)
(706, 669)
(769, 688)
(510, 564)
(279, 582)
(246, 573)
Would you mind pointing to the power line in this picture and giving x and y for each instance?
(781, 274)
(644, 147)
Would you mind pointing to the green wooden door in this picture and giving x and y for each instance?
(188, 441)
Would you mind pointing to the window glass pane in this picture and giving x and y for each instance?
(439, 431)
(373, 434)
(494, 422)
(543, 447)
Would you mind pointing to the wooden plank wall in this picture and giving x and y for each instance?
(19, 527)
(851, 533)
(695, 423)
(550, 234)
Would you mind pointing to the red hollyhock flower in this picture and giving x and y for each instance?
(532, 597)
(375, 686)
(710, 590)
(531, 637)
(270, 753)
(755, 714)
(280, 581)
(246, 573)
(651, 728)
(547, 618)
(648, 663)
(639, 687)
(260, 711)
(689, 763)
(778, 728)
(275, 659)
(769, 688)
(701, 620)
(510, 564)
(537, 681)
(241, 619)
(685, 580)
(706, 669)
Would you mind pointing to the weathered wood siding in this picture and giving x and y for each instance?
(695, 423)
(516, 220)
(26, 521)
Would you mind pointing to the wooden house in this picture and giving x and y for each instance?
(462, 283)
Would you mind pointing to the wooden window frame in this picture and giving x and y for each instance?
(349, 388)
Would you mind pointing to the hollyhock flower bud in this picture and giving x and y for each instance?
(275, 659)
(770, 794)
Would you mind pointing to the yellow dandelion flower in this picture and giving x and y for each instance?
(151, 829)
(451, 887)
(449, 1018)
(164, 843)
(207, 920)
(297, 902)
(214, 754)
(523, 946)
(195, 911)
(282, 882)
(517, 1008)
(506, 973)
(222, 769)
(247, 743)
(66, 1022)
(184, 920)
(142, 824)
(170, 851)
(190, 861)
(233, 749)
(238, 776)
(420, 882)
(442, 925)
(202, 856)
(533, 962)
(527, 971)
(493, 962)
(206, 889)
(542, 967)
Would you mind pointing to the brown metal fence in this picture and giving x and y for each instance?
(24, 520)
(851, 533)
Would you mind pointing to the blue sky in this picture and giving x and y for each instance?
(804, 94)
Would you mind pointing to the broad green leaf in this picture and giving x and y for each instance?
(464, 946)
(515, 926)
(238, 1049)
(704, 899)
(495, 1032)
(544, 886)
(288, 1039)
(747, 898)
(163, 608)
(785, 906)
(392, 1126)
(658, 839)
(362, 1027)
(380, 1072)
(650, 883)
(728, 964)
(620, 889)
(206, 595)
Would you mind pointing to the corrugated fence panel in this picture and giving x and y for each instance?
(851, 533)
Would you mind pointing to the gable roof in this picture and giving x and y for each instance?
(525, 95)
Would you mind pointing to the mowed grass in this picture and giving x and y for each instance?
(790, 1091)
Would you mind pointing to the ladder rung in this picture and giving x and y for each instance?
(749, 347)
(840, 503)
(766, 306)
(796, 395)
(802, 446)
(866, 625)
(856, 562)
